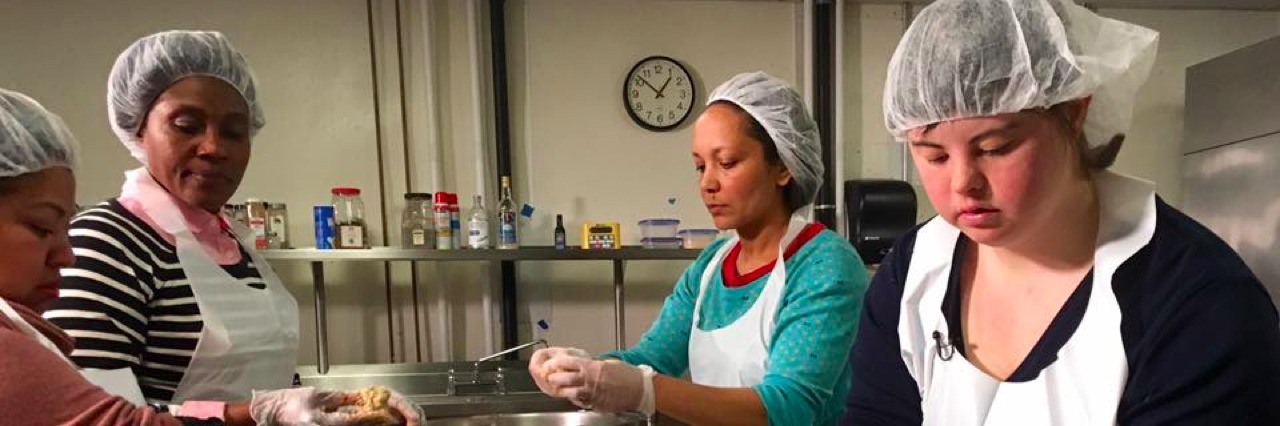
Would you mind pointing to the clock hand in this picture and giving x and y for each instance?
(646, 83)
(664, 86)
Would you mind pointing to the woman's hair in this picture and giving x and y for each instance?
(1098, 157)
(757, 132)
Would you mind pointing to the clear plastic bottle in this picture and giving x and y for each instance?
(416, 227)
(478, 226)
(507, 238)
(350, 227)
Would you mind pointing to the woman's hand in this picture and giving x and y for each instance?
(539, 370)
(609, 386)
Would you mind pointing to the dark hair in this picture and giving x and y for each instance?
(756, 131)
(1091, 158)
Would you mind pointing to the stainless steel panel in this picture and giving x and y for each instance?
(1235, 191)
(1232, 98)
(580, 418)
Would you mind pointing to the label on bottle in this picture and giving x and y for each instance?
(419, 237)
(351, 236)
(259, 228)
(478, 234)
(444, 233)
(507, 235)
(277, 229)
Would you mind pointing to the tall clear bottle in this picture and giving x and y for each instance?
(507, 238)
(478, 225)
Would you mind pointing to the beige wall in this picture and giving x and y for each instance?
(576, 151)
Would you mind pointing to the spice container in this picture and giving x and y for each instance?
(256, 212)
(417, 228)
(441, 219)
(352, 232)
(277, 226)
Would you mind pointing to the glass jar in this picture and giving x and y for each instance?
(256, 213)
(417, 230)
(278, 226)
(352, 232)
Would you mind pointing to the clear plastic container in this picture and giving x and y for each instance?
(697, 238)
(659, 228)
(350, 227)
(661, 242)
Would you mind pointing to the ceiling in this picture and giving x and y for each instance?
(1153, 4)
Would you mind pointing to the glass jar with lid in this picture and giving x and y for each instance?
(417, 230)
(352, 231)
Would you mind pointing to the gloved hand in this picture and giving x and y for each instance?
(308, 406)
(539, 371)
(298, 406)
(609, 386)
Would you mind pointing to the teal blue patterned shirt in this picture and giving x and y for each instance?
(808, 373)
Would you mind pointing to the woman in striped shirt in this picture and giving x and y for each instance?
(38, 383)
(163, 300)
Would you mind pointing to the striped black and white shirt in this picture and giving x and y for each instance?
(127, 303)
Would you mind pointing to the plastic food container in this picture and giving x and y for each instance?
(659, 228)
(662, 242)
(697, 238)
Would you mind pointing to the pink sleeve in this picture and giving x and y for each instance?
(39, 387)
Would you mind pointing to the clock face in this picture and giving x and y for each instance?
(658, 94)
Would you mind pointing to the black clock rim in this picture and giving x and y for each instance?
(626, 106)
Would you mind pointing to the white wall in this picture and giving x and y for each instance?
(1152, 149)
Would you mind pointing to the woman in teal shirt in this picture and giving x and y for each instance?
(764, 341)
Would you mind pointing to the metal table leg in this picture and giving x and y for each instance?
(618, 312)
(322, 322)
(391, 328)
(417, 316)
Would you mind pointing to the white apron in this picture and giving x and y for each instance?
(250, 336)
(737, 355)
(1084, 385)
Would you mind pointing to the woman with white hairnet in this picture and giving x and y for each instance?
(1048, 290)
(761, 321)
(38, 383)
(166, 301)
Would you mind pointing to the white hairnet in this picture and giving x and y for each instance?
(976, 58)
(150, 65)
(782, 113)
(31, 138)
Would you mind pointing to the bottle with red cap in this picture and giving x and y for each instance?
(352, 232)
(455, 220)
(440, 213)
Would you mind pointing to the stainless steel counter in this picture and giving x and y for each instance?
(317, 258)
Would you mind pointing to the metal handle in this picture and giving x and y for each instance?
(499, 354)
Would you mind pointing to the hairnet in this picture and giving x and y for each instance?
(31, 138)
(782, 113)
(975, 58)
(150, 65)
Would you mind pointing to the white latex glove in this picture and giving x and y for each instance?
(539, 371)
(298, 406)
(308, 406)
(609, 386)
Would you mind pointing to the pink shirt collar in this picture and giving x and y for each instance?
(211, 230)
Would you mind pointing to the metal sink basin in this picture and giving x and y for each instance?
(576, 418)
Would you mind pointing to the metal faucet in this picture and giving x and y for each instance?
(499, 383)
(499, 354)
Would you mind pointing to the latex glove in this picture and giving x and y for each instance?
(539, 371)
(299, 406)
(410, 412)
(609, 386)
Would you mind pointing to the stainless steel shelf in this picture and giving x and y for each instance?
(541, 253)
(494, 257)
